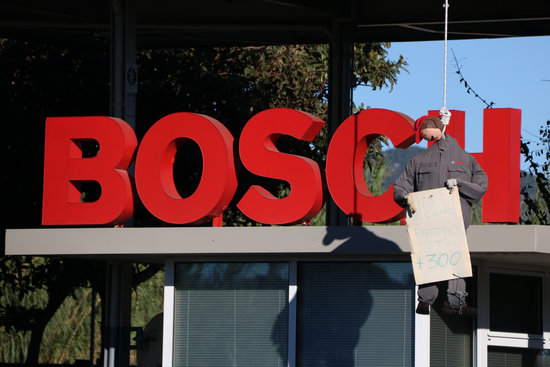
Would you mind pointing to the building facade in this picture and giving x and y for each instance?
(327, 296)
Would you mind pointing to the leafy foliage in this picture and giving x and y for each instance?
(33, 289)
(372, 67)
(468, 87)
(233, 84)
(536, 199)
(67, 336)
(229, 84)
(535, 208)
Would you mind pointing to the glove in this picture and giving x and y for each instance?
(445, 115)
(451, 182)
(452, 185)
(410, 204)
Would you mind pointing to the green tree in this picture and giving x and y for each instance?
(39, 81)
(536, 193)
(229, 84)
(233, 84)
(32, 290)
(535, 188)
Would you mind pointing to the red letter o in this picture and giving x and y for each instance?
(154, 169)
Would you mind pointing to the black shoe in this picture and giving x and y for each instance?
(423, 308)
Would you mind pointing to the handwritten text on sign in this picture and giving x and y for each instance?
(439, 249)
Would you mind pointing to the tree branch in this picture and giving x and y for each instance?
(468, 87)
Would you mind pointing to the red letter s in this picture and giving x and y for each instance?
(261, 157)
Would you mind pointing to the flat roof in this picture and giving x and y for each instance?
(527, 244)
(165, 23)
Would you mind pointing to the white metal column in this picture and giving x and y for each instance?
(482, 333)
(292, 312)
(168, 315)
(421, 337)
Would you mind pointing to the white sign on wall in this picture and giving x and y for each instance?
(439, 248)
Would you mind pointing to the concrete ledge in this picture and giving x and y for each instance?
(259, 240)
(205, 240)
(509, 238)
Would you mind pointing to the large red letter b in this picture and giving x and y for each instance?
(65, 169)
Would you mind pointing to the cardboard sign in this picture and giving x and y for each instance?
(439, 249)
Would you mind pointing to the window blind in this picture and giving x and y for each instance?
(355, 314)
(451, 343)
(230, 314)
(516, 357)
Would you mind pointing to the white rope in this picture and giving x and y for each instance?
(445, 55)
(446, 5)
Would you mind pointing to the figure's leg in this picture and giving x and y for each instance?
(427, 294)
(456, 293)
(456, 298)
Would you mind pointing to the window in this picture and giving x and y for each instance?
(451, 336)
(451, 342)
(512, 321)
(230, 314)
(515, 303)
(355, 314)
(517, 357)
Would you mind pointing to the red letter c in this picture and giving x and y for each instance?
(346, 153)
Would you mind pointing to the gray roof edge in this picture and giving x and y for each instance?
(259, 240)
(504, 238)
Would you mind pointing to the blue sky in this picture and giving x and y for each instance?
(511, 72)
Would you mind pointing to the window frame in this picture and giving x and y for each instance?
(483, 337)
(169, 302)
(168, 316)
(418, 348)
(170, 297)
(490, 338)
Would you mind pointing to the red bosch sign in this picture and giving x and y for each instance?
(65, 168)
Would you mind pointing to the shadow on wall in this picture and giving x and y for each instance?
(348, 312)
(150, 353)
(359, 239)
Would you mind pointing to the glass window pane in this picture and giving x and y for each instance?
(516, 303)
(231, 314)
(451, 336)
(450, 340)
(516, 357)
(355, 314)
